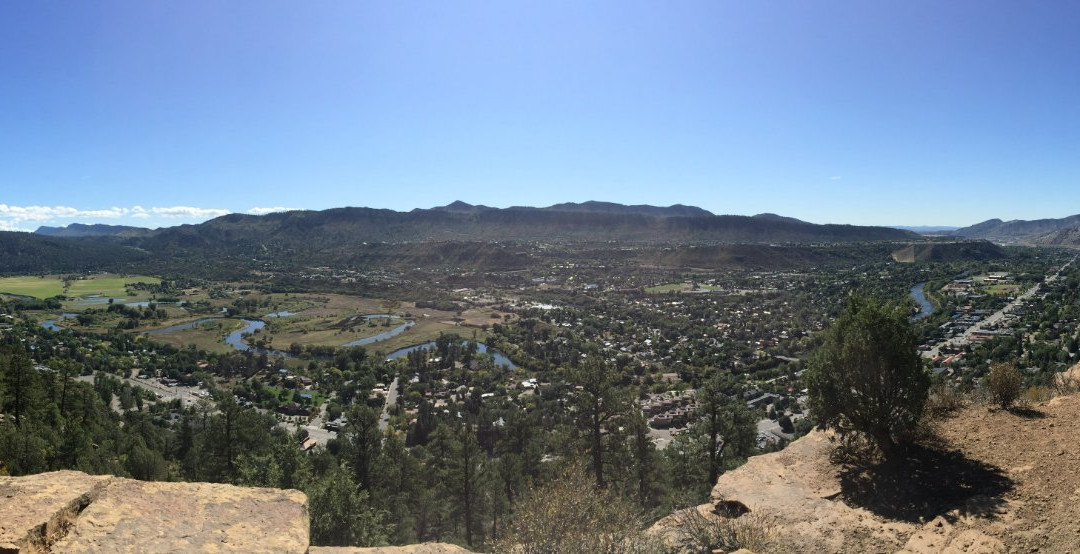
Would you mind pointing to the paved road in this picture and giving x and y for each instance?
(315, 428)
(391, 399)
(992, 319)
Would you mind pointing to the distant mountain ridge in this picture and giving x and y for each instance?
(1017, 229)
(591, 207)
(458, 234)
(587, 222)
(96, 230)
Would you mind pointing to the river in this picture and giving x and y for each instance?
(383, 335)
(925, 307)
(51, 324)
(499, 357)
(235, 339)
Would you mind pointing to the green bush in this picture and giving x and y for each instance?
(867, 377)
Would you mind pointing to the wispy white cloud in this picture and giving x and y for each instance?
(835, 178)
(189, 212)
(25, 218)
(9, 226)
(263, 211)
(45, 213)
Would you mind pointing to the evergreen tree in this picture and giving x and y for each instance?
(868, 377)
(599, 401)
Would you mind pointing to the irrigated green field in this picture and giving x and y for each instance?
(38, 287)
(51, 285)
(107, 285)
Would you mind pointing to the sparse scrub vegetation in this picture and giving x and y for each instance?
(1005, 384)
(944, 400)
(694, 531)
(573, 516)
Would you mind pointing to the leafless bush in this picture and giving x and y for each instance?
(695, 531)
(944, 400)
(1034, 395)
(572, 516)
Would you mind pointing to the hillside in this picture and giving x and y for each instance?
(948, 252)
(1069, 237)
(22, 253)
(1016, 229)
(98, 230)
(457, 235)
(346, 227)
(993, 481)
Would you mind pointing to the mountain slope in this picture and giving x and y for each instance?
(976, 250)
(97, 230)
(22, 253)
(1017, 229)
(339, 228)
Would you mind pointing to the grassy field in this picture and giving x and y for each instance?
(670, 287)
(1003, 289)
(209, 336)
(318, 324)
(38, 287)
(680, 287)
(110, 286)
(422, 333)
(316, 318)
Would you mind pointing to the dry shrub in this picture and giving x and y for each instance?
(695, 531)
(572, 516)
(1005, 384)
(1034, 395)
(944, 400)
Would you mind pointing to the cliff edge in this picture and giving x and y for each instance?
(987, 481)
(70, 511)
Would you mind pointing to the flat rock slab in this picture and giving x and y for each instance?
(36, 509)
(73, 512)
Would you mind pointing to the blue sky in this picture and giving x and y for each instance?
(901, 112)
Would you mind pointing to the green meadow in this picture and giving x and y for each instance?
(106, 285)
(38, 287)
(52, 285)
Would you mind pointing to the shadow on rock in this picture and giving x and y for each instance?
(927, 481)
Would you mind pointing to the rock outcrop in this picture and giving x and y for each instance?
(986, 480)
(802, 491)
(70, 511)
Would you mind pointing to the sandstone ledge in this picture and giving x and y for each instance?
(70, 511)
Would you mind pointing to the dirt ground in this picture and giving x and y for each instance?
(1038, 451)
(987, 481)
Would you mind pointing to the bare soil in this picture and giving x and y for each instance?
(985, 480)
